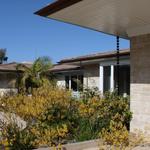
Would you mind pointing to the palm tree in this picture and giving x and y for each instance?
(35, 75)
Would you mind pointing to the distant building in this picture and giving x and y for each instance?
(77, 73)
(8, 77)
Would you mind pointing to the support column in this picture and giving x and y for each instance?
(112, 78)
(140, 82)
(69, 82)
(101, 73)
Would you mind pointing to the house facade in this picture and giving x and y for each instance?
(94, 71)
(129, 19)
(90, 71)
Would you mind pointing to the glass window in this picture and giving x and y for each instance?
(67, 82)
(106, 78)
(74, 83)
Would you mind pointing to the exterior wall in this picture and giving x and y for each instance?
(61, 81)
(140, 81)
(7, 80)
(8, 91)
(7, 83)
(91, 76)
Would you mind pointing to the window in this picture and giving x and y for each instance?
(76, 83)
(67, 82)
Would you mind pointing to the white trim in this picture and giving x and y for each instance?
(101, 73)
(112, 78)
(69, 82)
(138, 30)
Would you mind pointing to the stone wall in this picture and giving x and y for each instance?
(140, 81)
(8, 83)
(8, 80)
(8, 91)
(61, 81)
(91, 76)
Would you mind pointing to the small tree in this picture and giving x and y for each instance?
(3, 55)
(35, 75)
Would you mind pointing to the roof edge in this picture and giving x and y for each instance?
(125, 52)
(55, 6)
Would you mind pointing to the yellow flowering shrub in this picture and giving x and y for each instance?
(47, 136)
(44, 113)
(29, 107)
(53, 117)
(97, 112)
(116, 135)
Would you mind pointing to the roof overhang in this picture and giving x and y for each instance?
(64, 67)
(124, 18)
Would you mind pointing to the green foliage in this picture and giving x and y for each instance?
(89, 93)
(116, 134)
(117, 137)
(34, 76)
(40, 115)
(97, 113)
(20, 139)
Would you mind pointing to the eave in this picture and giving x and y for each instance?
(56, 6)
(124, 18)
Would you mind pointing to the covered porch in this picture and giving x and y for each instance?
(128, 19)
(108, 78)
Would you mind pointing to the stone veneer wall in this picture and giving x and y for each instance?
(8, 83)
(140, 81)
(91, 76)
(61, 81)
(8, 80)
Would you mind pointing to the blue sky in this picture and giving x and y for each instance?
(27, 36)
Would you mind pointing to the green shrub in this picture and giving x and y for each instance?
(116, 134)
(97, 113)
(20, 139)
(117, 137)
(89, 93)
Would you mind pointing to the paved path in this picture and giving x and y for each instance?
(90, 145)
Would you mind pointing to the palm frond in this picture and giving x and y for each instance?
(33, 76)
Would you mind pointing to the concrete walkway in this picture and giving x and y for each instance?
(87, 145)
(90, 145)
